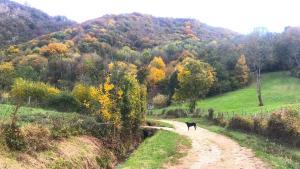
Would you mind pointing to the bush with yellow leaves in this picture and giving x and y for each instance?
(7, 74)
(38, 93)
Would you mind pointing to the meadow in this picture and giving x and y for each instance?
(28, 115)
(279, 90)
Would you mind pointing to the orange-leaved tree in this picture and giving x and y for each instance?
(54, 49)
(156, 70)
(242, 71)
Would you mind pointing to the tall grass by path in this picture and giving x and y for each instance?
(157, 150)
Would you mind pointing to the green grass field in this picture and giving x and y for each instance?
(157, 150)
(278, 90)
(28, 114)
(5, 111)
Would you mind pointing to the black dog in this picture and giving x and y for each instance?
(190, 125)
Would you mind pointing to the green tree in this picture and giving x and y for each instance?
(172, 85)
(133, 104)
(27, 72)
(195, 79)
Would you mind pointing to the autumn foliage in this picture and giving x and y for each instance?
(108, 103)
(38, 92)
(242, 71)
(54, 49)
(156, 70)
(84, 95)
(195, 79)
(7, 73)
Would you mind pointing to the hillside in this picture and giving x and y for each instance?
(82, 52)
(140, 31)
(20, 23)
(278, 90)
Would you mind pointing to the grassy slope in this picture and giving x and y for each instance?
(28, 114)
(74, 152)
(278, 90)
(278, 156)
(157, 150)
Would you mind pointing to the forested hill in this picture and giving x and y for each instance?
(137, 31)
(145, 31)
(82, 52)
(20, 23)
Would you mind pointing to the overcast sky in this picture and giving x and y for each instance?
(238, 15)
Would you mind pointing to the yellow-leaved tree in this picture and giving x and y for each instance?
(242, 71)
(118, 68)
(85, 95)
(107, 99)
(7, 74)
(54, 49)
(156, 70)
(195, 79)
(121, 99)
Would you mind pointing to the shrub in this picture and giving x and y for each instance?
(60, 128)
(14, 137)
(65, 101)
(4, 97)
(61, 163)
(221, 121)
(104, 161)
(27, 72)
(37, 91)
(160, 100)
(210, 113)
(197, 113)
(36, 137)
(240, 123)
(96, 129)
(7, 74)
(259, 125)
(295, 72)
(85, 96)
(77, 125)
(176, 113)
(285, 126)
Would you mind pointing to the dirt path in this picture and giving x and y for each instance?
(213, 151)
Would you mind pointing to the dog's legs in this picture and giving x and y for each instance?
(195, 127)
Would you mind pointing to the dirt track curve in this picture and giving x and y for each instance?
(213, 151)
